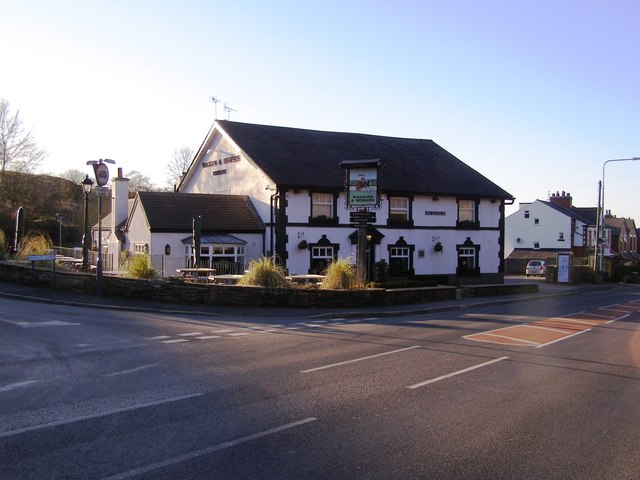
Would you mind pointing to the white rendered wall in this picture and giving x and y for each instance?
(546, 232)
(439, 222)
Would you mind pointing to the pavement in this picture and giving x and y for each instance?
(46, 295)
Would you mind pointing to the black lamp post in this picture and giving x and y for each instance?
(87, 183)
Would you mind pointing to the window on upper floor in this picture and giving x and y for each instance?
(322, 207)
(536, 245)
(467, 214)
(536, 221)
(526, 214)
(399, 210)
(561, 237)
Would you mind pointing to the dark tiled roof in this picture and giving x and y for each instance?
(295, 157)
(174, 212)
(106, 220)
(585, 215)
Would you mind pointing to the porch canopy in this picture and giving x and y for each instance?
(222, 239)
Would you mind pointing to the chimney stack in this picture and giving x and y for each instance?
(119, 201)
(564, 199)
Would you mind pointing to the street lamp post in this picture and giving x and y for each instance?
(601, 215)
(59, 229)
(101, 171)
(87, 183)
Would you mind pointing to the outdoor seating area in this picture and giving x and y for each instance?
(303, 279)
(228, 279)
(196, 275)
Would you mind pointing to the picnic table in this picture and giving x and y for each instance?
(229, 279)
(196, 275)
(306, 278)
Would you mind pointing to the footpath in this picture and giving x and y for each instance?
(14, 291)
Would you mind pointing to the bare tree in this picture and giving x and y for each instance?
(18, 150)
(179, 165)
(140, 182)
(73, 174)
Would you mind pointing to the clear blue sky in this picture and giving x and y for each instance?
(534, 95)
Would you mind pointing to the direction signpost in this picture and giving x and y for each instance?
(362, 193)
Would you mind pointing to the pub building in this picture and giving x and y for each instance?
(433, 215)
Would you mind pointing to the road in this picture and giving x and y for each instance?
(88, 393)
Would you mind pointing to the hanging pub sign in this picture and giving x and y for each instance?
(362, 183)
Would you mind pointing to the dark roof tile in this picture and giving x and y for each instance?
(174, 212)
(295, 157)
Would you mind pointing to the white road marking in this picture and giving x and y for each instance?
(515, 339)
(131, 370)
(177, 340)
(159, 337)
(549, 329)
(208, 337)
(449, 375)
(190, 334)
(50, 323)
(371, 319)
(563, 338)
(13, 386)
(239, 334)
(335, 323)
(96, 415)
(572, 320)
(206, 451)
(357, 359)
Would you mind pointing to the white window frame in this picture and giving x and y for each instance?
(320, 202)
(470, 254)
(466, 208)
(322, 252)
(399, 209)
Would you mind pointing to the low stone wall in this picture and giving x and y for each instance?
(178, 292)
(498, 289)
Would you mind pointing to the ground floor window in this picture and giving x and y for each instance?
(322, 254)
(468, 258)
(140, 248)
(400, 258)
(225, 259)
(224, 253)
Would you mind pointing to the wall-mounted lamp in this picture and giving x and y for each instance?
(438, 247)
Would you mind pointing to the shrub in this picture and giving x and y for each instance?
(340, 275)
(34, 243)
(4, 246)
(140, 266)
(265, 273)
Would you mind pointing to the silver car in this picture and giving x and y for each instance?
(535, 267)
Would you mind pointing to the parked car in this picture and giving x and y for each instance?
(535, 267)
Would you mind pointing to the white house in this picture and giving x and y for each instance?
(438, 216)
(544, 228)
(265, 190)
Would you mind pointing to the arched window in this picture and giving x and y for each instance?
(401, 258)
(468, 258)
(322, 254)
